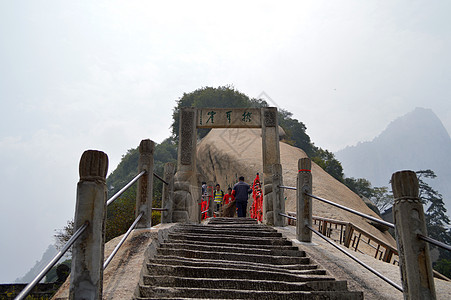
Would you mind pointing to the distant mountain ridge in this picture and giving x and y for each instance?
(415, 141)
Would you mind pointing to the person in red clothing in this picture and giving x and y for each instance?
(229, 197)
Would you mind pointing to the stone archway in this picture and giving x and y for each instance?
(186, 187)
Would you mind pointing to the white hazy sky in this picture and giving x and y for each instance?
(77, 75)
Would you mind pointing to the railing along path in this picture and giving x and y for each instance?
(415, 260)
(90, 164)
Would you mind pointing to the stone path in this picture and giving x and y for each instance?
(232, 258)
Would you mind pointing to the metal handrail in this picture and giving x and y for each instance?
(287, 187)
(287, 216)
(159, 209)
(344, 207)
(157, 176)
(50, 265)
(391, 225)
(121, 191)
(353, 211)
(392, 283)
(121, 242)
(350, 255)
(434, 242)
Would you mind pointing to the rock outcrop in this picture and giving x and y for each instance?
(225, 154)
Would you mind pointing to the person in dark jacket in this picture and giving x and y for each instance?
(242, 191)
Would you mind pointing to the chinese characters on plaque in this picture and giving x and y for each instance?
(228, 117)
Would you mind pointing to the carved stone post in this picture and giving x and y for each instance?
(87, 253)
(414, 259)
(185, 206)
(167, 196)
(304, 202)
(271, 155)
(145, 184)
(211, 200)
(278, 199)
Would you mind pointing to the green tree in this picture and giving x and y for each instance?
(329, 163)
(443, 266)
(220, 97)
(296, 132)
(437, 220)
(360, 186)
(382, 198)
(63, 235)
(227, 96)
(52, 275)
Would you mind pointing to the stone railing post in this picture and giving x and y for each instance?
(145, 184)
(414, 259)
(167, 196)
(210, 199)
(304, 202)
(278, 200)
(87, 253)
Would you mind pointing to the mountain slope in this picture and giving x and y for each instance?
(415, 141)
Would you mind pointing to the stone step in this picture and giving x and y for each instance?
(230, 226)
(229, 231)
(182, 261)
(207, 272)
(258, 285)
(270, 259)
(235, 258)
(229, 239)
(239, 249)
(200, 293)
(248, 246)
(232, 221)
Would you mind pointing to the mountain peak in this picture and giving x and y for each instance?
(416, 141)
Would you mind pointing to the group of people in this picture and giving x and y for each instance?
(239, 193)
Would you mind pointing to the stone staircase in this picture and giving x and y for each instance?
(235, 258)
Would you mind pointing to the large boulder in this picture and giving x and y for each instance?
(225, 154)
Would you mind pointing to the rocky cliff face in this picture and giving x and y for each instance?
(225, 154)
(416, 141)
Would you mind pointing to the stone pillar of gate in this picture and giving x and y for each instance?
(185, 181)
(271, 155)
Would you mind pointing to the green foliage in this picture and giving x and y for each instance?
(437, 221)
(380, 196)
(227, 96)
(52, 275)
(125, 171)
(329, 163)
(443, 266)
(360, 186)
(156, 217)
(295, 131)
(62, 236)
(221, 97)
(120, 214)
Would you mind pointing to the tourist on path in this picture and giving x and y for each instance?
(218, 195)
(242, 191)
(229, 197)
